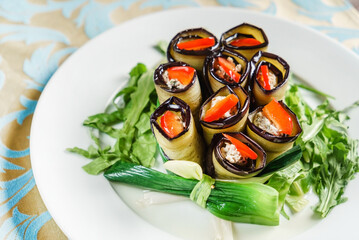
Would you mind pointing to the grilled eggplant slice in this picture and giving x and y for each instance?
(273, 143)
(194, 54)
(225, 67)
(235, 122)
(221, 164)
(278, 68)
(174, 128)
(245, 39)
(188, 89)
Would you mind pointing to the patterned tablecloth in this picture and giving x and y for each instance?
(36, 36)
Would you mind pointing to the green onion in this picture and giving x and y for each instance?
(238, 202)
(282, 161)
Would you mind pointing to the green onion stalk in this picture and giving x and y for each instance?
(253, 203)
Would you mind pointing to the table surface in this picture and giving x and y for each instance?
(36, 36)
(355, 4)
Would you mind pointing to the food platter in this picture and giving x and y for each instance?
(87, 207)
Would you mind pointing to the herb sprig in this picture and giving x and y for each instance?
(330, 155)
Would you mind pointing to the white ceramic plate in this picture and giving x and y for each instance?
(87, 207)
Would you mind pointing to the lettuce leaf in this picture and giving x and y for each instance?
(282, 180)
(134, 140)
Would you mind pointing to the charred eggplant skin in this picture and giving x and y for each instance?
(270, 142)
(281, 69)
(172, 104)
(217, 166)
(214, 82)
(248, 30)
(195, 58)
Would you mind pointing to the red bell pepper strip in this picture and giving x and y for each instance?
(171, 124)
(220, 108)
(229, 69)
(265, 77)
(242, 148)
(279, 116)
(197, 44)
(183, 74)
(245, 42)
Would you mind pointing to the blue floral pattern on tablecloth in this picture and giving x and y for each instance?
(32, 49)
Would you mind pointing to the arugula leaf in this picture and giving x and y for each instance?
(316, 91)
(330, 155)
(134, 140)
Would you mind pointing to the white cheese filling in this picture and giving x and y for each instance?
(179, 119)
(273, 80)
(265, 124)
(221, 73)
(172, 83)
(238, 67)
(230, 152)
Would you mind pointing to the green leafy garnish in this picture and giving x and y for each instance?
(282, 180)
(134, 140)
(295, 197)
(314, 90)
(162, 47)
(330, 155)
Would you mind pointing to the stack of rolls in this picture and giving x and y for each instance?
(235, 91)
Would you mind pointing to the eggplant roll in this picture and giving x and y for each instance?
(174, 128)
(266, 133)
(233, 120)
(187, 47)
(245, 39)
(180, 80)
(225, 161)
(225, 67)
(276, 70)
